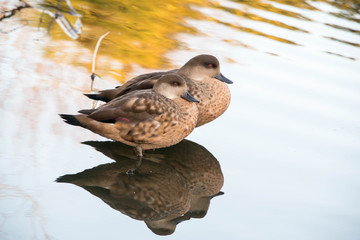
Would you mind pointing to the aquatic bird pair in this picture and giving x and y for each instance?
(172, 185)
(159, 109)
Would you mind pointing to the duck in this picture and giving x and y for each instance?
(193, 162)
(156, 194)
(203, 77)
(145, 119)
(172, 185)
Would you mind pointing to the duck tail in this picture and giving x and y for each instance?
(97, 96)
(87, 111)
(65, 179)
(71, 119)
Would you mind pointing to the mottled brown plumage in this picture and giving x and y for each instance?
(203, 77)
(172, 184)
(155, 194)
(146, 119)
(200, 169)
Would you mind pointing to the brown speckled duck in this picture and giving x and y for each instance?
(146, 119)
(172, 184)
(156, 194)
(200, 169)
(203, 77)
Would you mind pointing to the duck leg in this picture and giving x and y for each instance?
(139, 156)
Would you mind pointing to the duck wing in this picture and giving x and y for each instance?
(134, 107)
(141, 82)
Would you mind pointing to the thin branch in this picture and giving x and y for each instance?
(96, 49)
(93, 75)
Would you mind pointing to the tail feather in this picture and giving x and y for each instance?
(66, 178)
(87, 111)
(97, 96)
(70, 119)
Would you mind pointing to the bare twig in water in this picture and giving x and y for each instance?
(93, 75)
(55, 16)
(69, 29)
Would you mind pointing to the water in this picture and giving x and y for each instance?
(288, 147)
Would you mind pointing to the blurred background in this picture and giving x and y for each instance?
(288, 147)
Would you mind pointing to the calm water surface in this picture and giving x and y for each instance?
(283, 162)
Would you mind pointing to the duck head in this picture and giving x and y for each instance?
(173, 86)
(203, 66)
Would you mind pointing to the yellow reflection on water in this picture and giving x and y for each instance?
(142, 32)
(255, 17)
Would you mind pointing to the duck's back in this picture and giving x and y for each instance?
(141, 82)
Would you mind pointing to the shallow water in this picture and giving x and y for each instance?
(288, 147)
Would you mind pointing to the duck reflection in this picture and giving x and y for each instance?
(171, 185)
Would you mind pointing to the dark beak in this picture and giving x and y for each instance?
(223, 78)
(216, 194)
(188, 97)
(178, 220)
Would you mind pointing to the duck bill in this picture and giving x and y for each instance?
(189, 98)
(223, 78)
(178, 220)
(216, 194)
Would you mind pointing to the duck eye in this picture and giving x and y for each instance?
(175, 84)
(210, 65)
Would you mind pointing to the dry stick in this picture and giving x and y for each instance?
(55, 16)
(93, 75)
(60, 19)
(93, 61)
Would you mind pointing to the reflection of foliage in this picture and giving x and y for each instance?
(143, 31)
(351, 6)
(267, 6)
